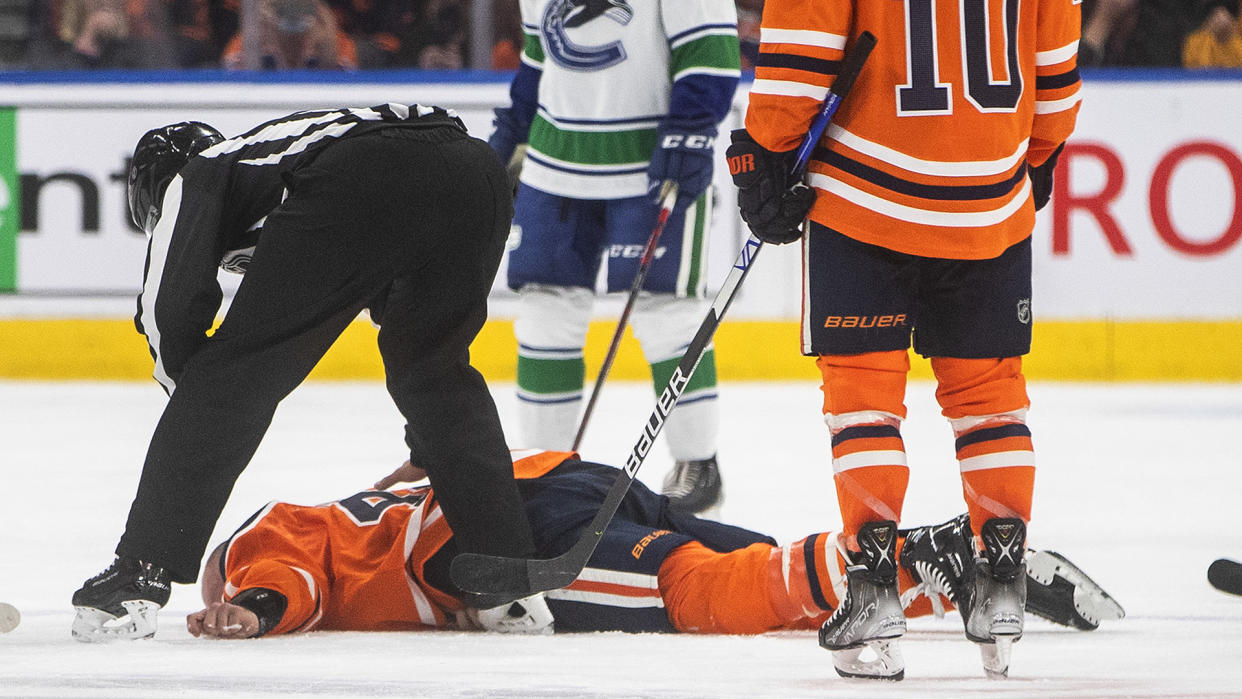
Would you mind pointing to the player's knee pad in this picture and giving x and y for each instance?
(869, 382)
(665, 324)
(979, 387)
(554, 317)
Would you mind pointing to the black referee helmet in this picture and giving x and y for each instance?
(160, 154)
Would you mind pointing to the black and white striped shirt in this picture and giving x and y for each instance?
(213, 212)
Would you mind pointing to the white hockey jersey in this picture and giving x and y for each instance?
(607, 75)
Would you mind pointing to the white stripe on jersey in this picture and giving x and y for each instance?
(788, 88)
(929, 217)
(419, 520)
(295, 126)
(802, 37)
(644, 587)
(1002, 459)
(939, 168)
(333, 131)
(606, 599)
(300, 126)
(701, 32)
(1052, 57)
(619, 577)
(1054, 106)
(157, 257)
(598, 126)
(862, 459)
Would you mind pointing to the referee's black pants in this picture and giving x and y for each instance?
(408, 222)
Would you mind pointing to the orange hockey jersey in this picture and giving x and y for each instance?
(354, 564)
(928, 154)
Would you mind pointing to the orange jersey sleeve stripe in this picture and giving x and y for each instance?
(800, 48)
(1057, 82)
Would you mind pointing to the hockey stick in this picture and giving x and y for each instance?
(525, 576)
(668, 198)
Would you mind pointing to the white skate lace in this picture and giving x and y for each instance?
(933, 583)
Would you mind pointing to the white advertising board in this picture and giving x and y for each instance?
(1146, 221)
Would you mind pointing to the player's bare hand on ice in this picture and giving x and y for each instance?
(223, 620)
(406, 473)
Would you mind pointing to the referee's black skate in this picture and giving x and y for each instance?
(870, 617)
(995, 613)
(941, 559)
(121, 602)
(694, 487)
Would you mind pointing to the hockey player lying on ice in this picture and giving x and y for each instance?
(378, 560)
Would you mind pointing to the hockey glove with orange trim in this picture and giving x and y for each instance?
(771, 201)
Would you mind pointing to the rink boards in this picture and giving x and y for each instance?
(1136, 259)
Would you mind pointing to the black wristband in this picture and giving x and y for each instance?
(268, 605)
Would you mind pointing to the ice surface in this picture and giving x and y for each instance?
(1139, 485)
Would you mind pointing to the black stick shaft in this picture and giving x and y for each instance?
(525, 576)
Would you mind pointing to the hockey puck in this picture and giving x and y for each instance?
(9, 617)
(1226, 576)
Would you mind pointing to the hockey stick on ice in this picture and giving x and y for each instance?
(525, 576)
(668, 198)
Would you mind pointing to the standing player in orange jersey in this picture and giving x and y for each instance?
(922, 198)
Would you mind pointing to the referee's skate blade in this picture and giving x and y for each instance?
(91, 625)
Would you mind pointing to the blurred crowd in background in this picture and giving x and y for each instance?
(480, 34)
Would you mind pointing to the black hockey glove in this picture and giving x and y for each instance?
(772, 203)
(506, 134)
(683, 155)
(1041, 179)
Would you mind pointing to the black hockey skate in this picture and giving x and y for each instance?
(694, 487)
(121, 602)
(1058, 590)
(941, 559)
(870, 616)
(994, 615)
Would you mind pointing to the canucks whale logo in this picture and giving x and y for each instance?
(560, 15)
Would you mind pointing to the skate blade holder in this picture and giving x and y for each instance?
(995, 655)
(872, 660)
(1090, 600)
(92, 625)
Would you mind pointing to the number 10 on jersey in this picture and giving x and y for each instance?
(924, 93)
